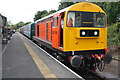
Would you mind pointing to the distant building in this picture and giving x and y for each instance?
(3, 21)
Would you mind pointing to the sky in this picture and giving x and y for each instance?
(24, 10)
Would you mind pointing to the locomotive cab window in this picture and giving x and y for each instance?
(71, 19)
(99, 20)
(85, 19)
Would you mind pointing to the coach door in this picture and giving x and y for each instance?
(55, 32)
(47, 31)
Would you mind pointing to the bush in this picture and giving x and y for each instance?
(114, 35)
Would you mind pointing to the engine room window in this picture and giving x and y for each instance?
(55, 22)
(85, 19)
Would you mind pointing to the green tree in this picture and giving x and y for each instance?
(37, 16)
(64, 5)
(114, 35)
(111, 9)
(41, 14)
(52, 11)
(48, 13)
(44, 13)
(14, 26)
(9, 24)
(20, 24)
(27, 23)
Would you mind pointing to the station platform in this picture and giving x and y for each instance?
(24, 59)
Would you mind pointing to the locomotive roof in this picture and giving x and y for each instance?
(85, 6)
(63, 10)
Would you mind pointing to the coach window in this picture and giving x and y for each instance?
(47, 31)
(55, 22)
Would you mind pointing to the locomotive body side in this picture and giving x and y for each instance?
(47, 31)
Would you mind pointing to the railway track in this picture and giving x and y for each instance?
(88, 75)
(116, 58)
(92, 76)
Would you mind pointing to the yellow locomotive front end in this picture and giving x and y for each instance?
(85, 35)
(85, 28)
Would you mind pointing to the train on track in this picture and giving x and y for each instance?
(76, 34)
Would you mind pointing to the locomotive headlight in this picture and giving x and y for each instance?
(95, 33)
(83, 33)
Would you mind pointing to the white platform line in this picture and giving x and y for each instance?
(3, 52)
(5, 46)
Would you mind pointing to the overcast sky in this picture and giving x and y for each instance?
(24, 10)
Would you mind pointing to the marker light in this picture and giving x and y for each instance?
(83, 33)
(95, 33)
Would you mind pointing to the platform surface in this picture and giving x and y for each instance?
(23, 59)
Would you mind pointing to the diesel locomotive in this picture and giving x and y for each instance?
(76, 34)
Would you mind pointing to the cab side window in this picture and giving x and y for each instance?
(71, 19)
